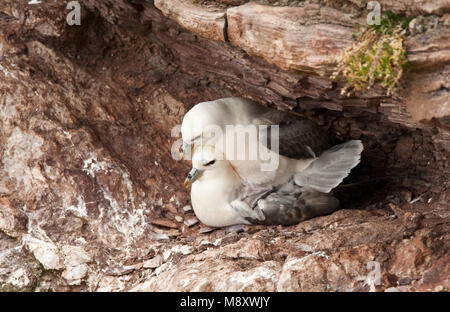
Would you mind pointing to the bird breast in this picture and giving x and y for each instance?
(211, 197)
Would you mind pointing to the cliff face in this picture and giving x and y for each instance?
(91, 199)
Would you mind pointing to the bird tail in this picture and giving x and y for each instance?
(331, 167)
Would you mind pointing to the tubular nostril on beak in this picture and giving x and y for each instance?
(191, 177)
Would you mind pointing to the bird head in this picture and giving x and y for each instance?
(202, 125)
(205, 158)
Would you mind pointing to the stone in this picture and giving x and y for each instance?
(165, 223)
(206, 229)
(12, 221)
(74, 274)
(154, 262)
(119, 270)
(284, 37)
(191, 221)
(430, 100)
(46, 253)
(74, 256)
(411, 7)
(75, 261)
(187, 208)
(88, 185)
(209, 23)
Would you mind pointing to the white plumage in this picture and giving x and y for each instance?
(219, 197)
(216, 186)
(236, 190)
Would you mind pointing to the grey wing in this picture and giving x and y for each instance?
(291, 204)
(248, 199)
(333, 165)
(286, 205)
(298, 138)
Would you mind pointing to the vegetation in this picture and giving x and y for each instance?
(378, 56)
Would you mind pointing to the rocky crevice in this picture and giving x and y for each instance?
(90, 198)
(310, 38)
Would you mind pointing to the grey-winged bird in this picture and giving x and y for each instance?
(220, 198)
(298, 187)
(300, 150)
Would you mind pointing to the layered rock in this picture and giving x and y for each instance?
(411, 7)
(91, 199)
(208, 23)
(309, 39)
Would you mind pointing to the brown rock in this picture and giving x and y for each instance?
(191, 221)
(411, 255)
(206, 229)
(119, 270)
(187, 208)
(154, 262)
(206, 22)
(212, 275)
(86, 115)
(165, 223)
(411, 7)
(12, 221)
(285, 36)
(432, 99)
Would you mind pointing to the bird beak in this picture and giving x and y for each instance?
(187, 150)
(193, 175)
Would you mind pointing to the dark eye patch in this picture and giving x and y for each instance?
(210, 163)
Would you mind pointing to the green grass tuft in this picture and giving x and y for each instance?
(378, 56)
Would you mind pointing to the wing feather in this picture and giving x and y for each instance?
(297, 137)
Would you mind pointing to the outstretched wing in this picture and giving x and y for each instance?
(328, 171)
(298, 138)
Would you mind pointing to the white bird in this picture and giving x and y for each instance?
(214, 186)
(305, 152)
(220, 198)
